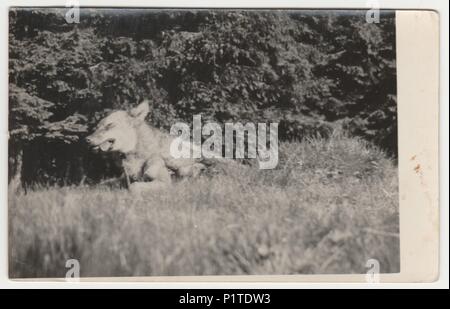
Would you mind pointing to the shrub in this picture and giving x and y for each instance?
(306, 69)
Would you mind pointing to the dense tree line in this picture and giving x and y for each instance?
(307, 70)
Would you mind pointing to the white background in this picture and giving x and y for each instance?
(442, 6)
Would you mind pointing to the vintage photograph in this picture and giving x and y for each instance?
(199, 142)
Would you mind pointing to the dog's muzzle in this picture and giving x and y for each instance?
(103, 146)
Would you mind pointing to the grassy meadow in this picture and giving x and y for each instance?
(331, 205)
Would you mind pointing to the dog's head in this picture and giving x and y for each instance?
(117, 131)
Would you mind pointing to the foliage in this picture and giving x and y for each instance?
(306, 70)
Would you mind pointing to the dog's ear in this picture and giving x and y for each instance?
(140, 111)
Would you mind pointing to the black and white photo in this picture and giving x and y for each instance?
(202, 142)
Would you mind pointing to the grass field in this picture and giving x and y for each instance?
(331, 205)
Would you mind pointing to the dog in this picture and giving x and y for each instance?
(148, 164)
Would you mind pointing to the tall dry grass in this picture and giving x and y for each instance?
(331, 205)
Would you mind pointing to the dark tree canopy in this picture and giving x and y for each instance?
(307, 70)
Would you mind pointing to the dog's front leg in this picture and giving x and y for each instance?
(156, 177)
